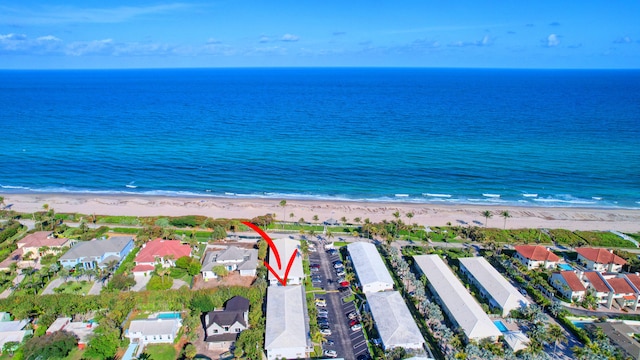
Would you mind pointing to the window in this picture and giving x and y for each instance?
(237, 330)
(226, 328)
(215, 331)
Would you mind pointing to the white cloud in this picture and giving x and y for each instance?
(213, 41)
(553, 40)
(289, 37)
(264, 39)
(486, 41)
(623, 40)
(94, 47)
(48, 38)
(13, 37)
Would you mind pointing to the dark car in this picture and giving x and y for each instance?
(343, 288)
(363, 357)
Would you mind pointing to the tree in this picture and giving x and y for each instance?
(487, 215)
(104, 343)
(219, 233)
(220, 270)
(53, 346)
(144, 356)
(190, 351)
(505, 214)
(121, 282)
(10, 347)
(159, 283)
(556, 335)
(283, 204)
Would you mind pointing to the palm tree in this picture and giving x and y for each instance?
(505, 214)
(556, 335)
(487, 215)
(283, 204)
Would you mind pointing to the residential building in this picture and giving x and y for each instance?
(222, 327)
(455, 300)
(153, 331)
(82, 330)
(492, 285)
(41, 243)
(97, 253)
(623, 292)
(393, 321)
(287, 327)
(568, 284)
(159, 251)
(11, 331)
(534, 256)
(634, 279)
(285, 250)
(232, 258)
(599, 287)
(601, 260)
(369, 267)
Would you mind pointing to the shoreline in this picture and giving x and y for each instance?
(570, 218)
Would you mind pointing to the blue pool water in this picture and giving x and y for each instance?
(566, 267)
(500, 326)
(169, 315)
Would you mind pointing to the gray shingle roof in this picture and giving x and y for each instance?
(96, 248)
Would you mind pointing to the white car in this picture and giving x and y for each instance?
(356, 327)
(325, 331)
(330, 353)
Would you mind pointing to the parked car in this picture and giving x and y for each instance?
(315, 266)
(343, 288)
(345, 283)
(323, 321)
(356, 327)
(315, 270)
(352, 315)
(363, 357)
(320, 300)
(332, 251)
(340, 273)
(325, 331)
(329, 342)
(330, 353)
(323, 312)
(353, 322)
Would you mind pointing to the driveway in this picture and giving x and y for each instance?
(141, 282)
(16, 281)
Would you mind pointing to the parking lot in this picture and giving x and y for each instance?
(348, 344)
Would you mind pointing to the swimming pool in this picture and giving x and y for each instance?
(168, 315)
(500, 325)
(565, 267)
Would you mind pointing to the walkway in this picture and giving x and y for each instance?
(16, 281)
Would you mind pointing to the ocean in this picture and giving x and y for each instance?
(477, 136)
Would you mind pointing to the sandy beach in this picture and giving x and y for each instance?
(424, 214)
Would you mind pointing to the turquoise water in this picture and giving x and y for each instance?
(517, 137)
(500, 326)
(172, 315)
(566, 267)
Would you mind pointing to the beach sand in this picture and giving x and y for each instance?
(625, 220)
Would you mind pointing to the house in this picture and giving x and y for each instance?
(624, 293)
(82, 330)
(153, 331)
(159, 251)
(533, 256)
(232, 258)
(13, 331)
(598, 286)
(634, 279)
(492, 285)
(601, 260)
(461, 308)
(41, 243)
(285, 250)
(222, 327)
(568, 284)
(287, 327)
(97, 253)
(369, 267)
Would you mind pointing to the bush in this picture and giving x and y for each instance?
(121, 282)
(54, 346)
(579, 333)
(184, 221)
(158, 283)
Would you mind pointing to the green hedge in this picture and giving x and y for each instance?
(581, 334)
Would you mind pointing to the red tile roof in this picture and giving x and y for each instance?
(143, 268)
(572, 280)
(635, 279)
(536, 253)
(41, 238)
(620, 286)
(162, 248)
(601, 256)
(596, 281)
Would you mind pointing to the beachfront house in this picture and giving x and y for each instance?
(286, 248)
(601, 260)
(159, 251)
(568, 284)
(232, 258)
(41, 243)
(98, 253)
(598, 286)
(534, 256)
(222, 327)
(154, 330)
(82, 330)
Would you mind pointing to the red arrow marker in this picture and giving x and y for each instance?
(275, 253)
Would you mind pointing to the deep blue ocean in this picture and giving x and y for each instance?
(480, 136)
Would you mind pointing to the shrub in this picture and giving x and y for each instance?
(54, 346)
(158, 283)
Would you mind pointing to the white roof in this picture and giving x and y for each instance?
(58, 324)
(394, 321)
(286, 318)
(465, 310)
(516, 340)
(368, 264)
(149, 327)
(286, 247)
(493, 283)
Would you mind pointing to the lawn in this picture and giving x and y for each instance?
(74, 287)
(161, 351)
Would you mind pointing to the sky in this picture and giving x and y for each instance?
(39, 34)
